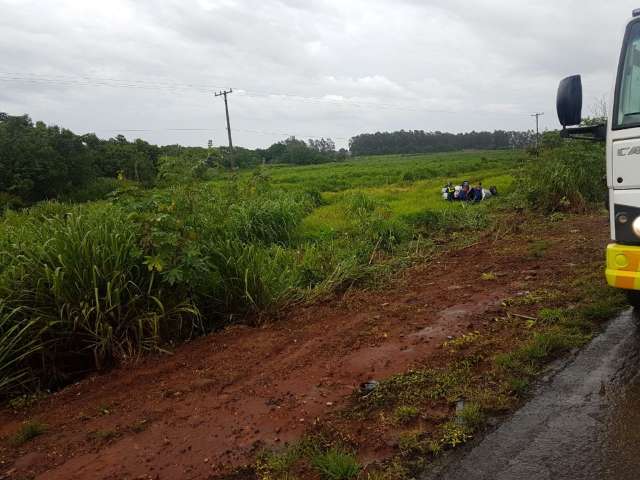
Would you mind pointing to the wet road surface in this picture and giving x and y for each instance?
(582, 423)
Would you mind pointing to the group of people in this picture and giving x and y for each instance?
(466, 193)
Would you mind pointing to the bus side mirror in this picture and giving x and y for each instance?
(569, 101)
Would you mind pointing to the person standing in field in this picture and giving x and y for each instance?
(451, 190)
(478, 194)
(464, 191)
(475, 194)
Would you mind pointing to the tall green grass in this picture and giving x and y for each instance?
(95, 283)
(83, 286)
(19, 340)
(568, 175)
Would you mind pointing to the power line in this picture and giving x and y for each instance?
(102, 82)
(196, 130)
(180, 87)
(177, 87)
(341, 101)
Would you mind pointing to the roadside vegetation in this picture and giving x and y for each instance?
(86, 285)
(170, 244)
(480, 376)
(476, 379)
(568, 176)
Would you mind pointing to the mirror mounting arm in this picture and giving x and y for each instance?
(594, 133)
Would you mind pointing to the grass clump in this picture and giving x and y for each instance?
(405, 414)
(542, 347)
(472, 416)
(462, 341)
(551, 316)
(518, 386)
(24, 401)
(277, 465)
(28, 431)
(412, 442)
(336, 464)
(414, 387)
(602, 308)
(454, 433)
(537, 296)
(538, 248)
(450, 218)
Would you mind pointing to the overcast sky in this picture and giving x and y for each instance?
(331, 68)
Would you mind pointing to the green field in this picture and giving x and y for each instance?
(84, 285)
(405, 184)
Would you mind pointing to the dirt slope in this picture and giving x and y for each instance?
(208, 407)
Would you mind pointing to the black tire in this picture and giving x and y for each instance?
(633, 297)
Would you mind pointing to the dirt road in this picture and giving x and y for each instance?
(584, 422)
(209, 407)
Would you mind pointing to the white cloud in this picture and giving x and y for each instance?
(362, 65)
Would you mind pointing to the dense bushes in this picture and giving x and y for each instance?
(79, 275)
(106, 280)
(42, 162)
(84, 286)
(567, 176)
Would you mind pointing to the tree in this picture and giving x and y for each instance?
(300, 152)
(323, 145)
(41, 162)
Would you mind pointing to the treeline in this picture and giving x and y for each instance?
(42, 162)
(419, 141)
(299, 152)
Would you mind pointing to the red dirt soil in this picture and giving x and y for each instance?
(207, 409)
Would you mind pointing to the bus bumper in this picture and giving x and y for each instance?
(623, 266)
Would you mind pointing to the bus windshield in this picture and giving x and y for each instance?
(628, 88)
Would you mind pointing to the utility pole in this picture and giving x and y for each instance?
(537, 115)
(223, 93)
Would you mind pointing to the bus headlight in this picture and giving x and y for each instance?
(636, 226)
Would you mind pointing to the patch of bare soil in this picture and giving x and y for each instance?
(207, 409)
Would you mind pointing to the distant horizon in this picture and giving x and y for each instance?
(306, 139)
(324, 69)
